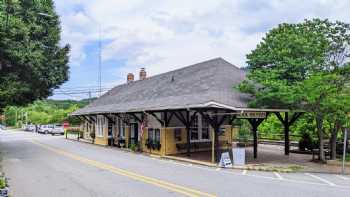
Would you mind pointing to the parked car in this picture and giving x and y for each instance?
(46, 129)
(2, 127)
(57, 129)
(29, 127)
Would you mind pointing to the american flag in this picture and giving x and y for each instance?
(142, 128)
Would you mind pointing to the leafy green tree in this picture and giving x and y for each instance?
(301, 66)
(32, 62)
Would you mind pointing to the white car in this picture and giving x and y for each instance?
(46, 129)
(30, 127)
(57, 129)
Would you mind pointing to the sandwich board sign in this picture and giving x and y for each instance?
(238, 156)
(225, 160)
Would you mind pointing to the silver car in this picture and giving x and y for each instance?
(46, 129)
(57, 129)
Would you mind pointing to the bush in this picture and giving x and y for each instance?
(306, 142)
(134, 147)
(2, 182)
(155, 145)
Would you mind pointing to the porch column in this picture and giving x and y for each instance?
(188, 132)
(286, 134)
(215, 123)
(255, 122)
(286, 124)
(186, 121)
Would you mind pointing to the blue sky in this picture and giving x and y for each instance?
(163, 35)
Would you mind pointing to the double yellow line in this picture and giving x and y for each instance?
(153, 181)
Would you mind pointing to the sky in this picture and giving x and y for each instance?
(163, 35)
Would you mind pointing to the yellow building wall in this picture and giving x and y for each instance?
(102, 140)
(169, 142)
(153, 151)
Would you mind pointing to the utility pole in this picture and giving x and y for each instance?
(99, 60)
(89, 96)
(346, 130)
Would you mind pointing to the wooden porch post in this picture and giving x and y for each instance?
(213, 146)
(286, 134)
(255, 122)
(188, 132)
(255, 134)
(287, 123)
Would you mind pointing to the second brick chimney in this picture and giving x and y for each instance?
(130, 78)
(143, 74)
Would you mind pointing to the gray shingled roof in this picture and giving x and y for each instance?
(198, 85)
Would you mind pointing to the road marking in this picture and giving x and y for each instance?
(278, 175)
(244, 172)
(342, 177)
(217, 169)
(153, 181)
(320, 179)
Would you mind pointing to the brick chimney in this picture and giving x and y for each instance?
(143, 74)
(130, 78)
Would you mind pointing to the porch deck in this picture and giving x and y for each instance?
(272, 156)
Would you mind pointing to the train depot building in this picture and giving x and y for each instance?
(184, 111)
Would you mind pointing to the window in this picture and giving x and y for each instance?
(100, 121)
(121, 129)
(154, 134)
(110, 128)
(194, 129)
(200, 129)
(177, 134)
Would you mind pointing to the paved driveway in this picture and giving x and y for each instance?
(40, 165)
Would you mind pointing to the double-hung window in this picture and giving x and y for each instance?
(199, 129)
(154, 135)
(100, 123)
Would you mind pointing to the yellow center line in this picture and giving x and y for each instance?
(153, 181)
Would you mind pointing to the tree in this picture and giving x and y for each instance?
(32, 63)
(301, 66)
(44, 112)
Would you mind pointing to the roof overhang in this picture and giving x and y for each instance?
(211, 104)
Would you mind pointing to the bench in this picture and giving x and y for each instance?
(197, 145)
(193, 145)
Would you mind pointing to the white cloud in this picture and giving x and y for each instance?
(166, 34)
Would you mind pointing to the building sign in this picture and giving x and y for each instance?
(252, 115)
(225, 160)
(238, 156)
(65, 124)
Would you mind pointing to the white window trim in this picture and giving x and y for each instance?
(100, 125)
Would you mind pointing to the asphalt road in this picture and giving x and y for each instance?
(44, 165)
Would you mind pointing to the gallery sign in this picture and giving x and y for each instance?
(238, 156)
(252, 115)
(225, 160)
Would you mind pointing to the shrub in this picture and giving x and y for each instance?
(306, 142)
(92, 135)
(2, 182)
(134, 147)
